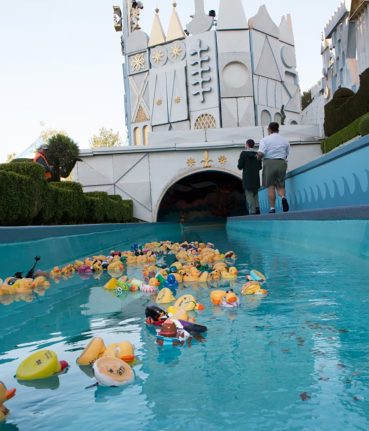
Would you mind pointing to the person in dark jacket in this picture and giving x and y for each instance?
(251, 166)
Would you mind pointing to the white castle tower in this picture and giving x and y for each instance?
(222, 74)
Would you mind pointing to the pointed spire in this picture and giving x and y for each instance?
(264, 23)
(231, 15)
(286, 30)
(175, 30)
(157, 33)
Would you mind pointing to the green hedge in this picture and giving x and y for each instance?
(343, 136)
(364, 125)
(346, 107)
(26, 198)
(18, 199)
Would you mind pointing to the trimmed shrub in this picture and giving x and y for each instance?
(32, 170)
(21, 161)
(95, 209)
(18, 199)
(341, 137)
(346, 107)
(364, 125)
(70, 205)
(70, 185)
(36, 180)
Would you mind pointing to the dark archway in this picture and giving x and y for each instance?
(209, 195)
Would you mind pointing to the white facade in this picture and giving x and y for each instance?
(233, 72)
(314, 112)
(360, 16)
(145, 174)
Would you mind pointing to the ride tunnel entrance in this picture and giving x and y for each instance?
(203, 196)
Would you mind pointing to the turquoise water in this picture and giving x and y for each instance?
(295, 360)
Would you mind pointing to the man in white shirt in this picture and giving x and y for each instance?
(274, 150)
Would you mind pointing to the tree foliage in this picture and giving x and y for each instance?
(306, 99)
(62, 154)
(105, 138)
(46, 134)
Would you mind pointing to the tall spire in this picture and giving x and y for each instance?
(175, 30)
(157, 33)
(231, 15)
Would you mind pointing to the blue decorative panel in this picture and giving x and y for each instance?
(340, 178)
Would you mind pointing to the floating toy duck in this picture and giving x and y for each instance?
(253, 288)
(188, 303)
(112, 284)
(230, 274)
(135, 285)
(112, 371)
(256, 276)
(172, 333)
(165, 296)
(5, 394)
(40, 365)
(227, 299)
(123, 351)
(94, 349)
(15, 286)
(115, 269)
(171, 283)
(192, 275)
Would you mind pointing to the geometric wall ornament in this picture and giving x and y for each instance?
(141, 116)
(231, 15)
(288, 56)
(267, 65)
(201, 22)
(158, 56)
(177, 93)
(199, 83)
(176, 51)
(138, 86)
(235, 74)
(205, 121)
(138, 62)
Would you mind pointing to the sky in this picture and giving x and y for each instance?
(61, 63)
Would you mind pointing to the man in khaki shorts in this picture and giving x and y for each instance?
(274, 150)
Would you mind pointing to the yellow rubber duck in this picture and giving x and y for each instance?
(230, 274)
(5, 394)
(217, 296)
(188, 303)
(253, 288)
(124, 351)
(165, 296)
(115, 268)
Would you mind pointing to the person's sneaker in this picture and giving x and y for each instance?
(285, 205)
(257, 211)
(272, 211)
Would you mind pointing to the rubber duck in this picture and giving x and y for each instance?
(204, 277)
(155, 315)
(67, 270)
(220, 267)
(253, 288)
(55, 273)
(40, 365)
(40, 282)
(192, 276)
(112, 371)
(165, 296)
(15, 286)
(230, 300)
(112, 284)
(115, 268)
(135, 285)
(123, 350)
(94, 349)
(188, 303)
(171, 283)
(131, 260)
(256, 276)
(216, 296)
(180, 314)
(230, 274)
(77, 264)
(5, 394)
